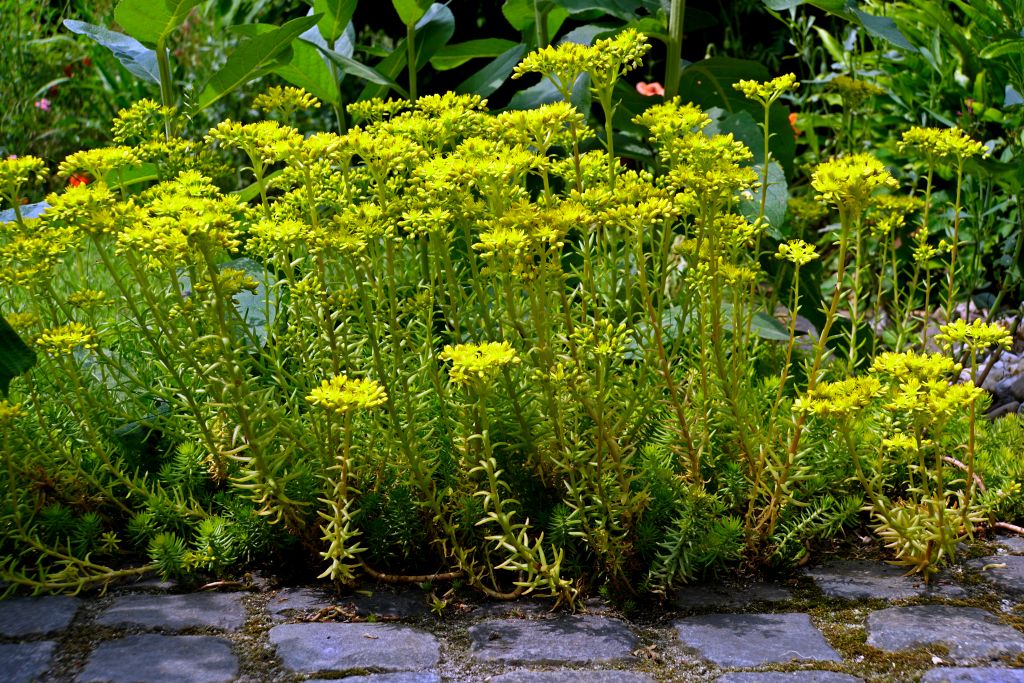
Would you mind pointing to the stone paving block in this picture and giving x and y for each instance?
(969, 633)
(788, 677)
(175, 612)
(401, 605)
(401, 677)
(25, 662)
(1008, 578)
(297, 600)
(36, 616)
(571, 676)
(337, 648)
(867, 580)
(723, 596)
(981, 674)
(152, 658)
(565, 640)
(1013, 544)
(754, 639)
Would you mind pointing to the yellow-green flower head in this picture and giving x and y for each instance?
(341, 394)
(848, 182)
(375, 110)
(842, 398)
(768, 91)
(23, 322)
(276, 237)
(141, 122)
(9, 412)
(934, 399)
(854, 91)
(478, 362)
(503, 242)
(64, 339)
(439, 105)
(258, 140)
(90, 209)
(672, 119)
(433, 221)
(19, 173)
(616, 56)
(285, 100)
(901, 442)
(797, 252)
(86, 298)
(562, 63)
(27, 256)
(943, 145)
(101, 161)
(976, 335)
(928, 367)
(710, 166)
(548, 125)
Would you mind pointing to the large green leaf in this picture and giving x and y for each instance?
(301, 66)
(360, 70)
(411, 11)
(776, 200)
(15, 356)
(452, 56)
(521, 15)
(620, 9)
(251, 57)
(433, 32)
(488, 79)
(133, 55)
(151, 21)
(337, 14)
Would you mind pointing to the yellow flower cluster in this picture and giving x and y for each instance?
(854, 91)
(768, 91)
(797, 252)
(64, 339)
(976, 335)
(943, 145)
(86, 298)
(842, 398)
(285, 100)
(376, 110)
(9, 412)
(478, 362)
(17, 173)
(672, 119)
(341, 394)
(606, 60)
(848, 182)
(142, 122)
(927, 367)
(100, 161)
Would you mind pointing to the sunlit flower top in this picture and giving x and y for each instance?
(925, 367)
(940, 144)
(285, 100)
(797, 252)
(9, 412)
(976, 335)
(16, 173)
(848, 182)
(768, 91)
(341, 394)
(64, 339)
(478, 362)
(100, 161)
(840, 398)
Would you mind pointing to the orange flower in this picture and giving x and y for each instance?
(77, 179)
(792, 122)
(649, 89)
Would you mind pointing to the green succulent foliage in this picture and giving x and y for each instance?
(169, 554)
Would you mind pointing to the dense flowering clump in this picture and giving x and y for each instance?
(64, 339)
(341, 394)
(842, 398)
(798, 252)
(286, 100)
(848, 182)
(100, 161)
(940, 144)
(926, 367)
(19, 173)
(478, 362)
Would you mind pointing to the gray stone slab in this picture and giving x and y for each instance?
(175, 612)
(969, 633)
(981, 674)
(788, 677)
(869, 580)
(401, 677)
(337, 648)
(723, 596)
(152, 658)
(36, 616)
(25, 662)
(754, 639)
(1013, 544)
(399, 605)
(566, 640)
(571, 676)
(1005, 572)
(288, 600)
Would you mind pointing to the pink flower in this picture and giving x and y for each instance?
(649, 89)
(43, 104)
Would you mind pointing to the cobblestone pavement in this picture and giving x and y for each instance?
(840, 622)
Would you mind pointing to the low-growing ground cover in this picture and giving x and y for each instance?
(486, 347)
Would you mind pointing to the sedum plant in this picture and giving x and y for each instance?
(449, 344)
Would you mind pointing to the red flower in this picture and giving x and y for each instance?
(77, 179)
(792, 122)
(649, 89)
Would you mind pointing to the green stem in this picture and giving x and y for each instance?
(410, 44)
(673, 60)
(166, 86)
